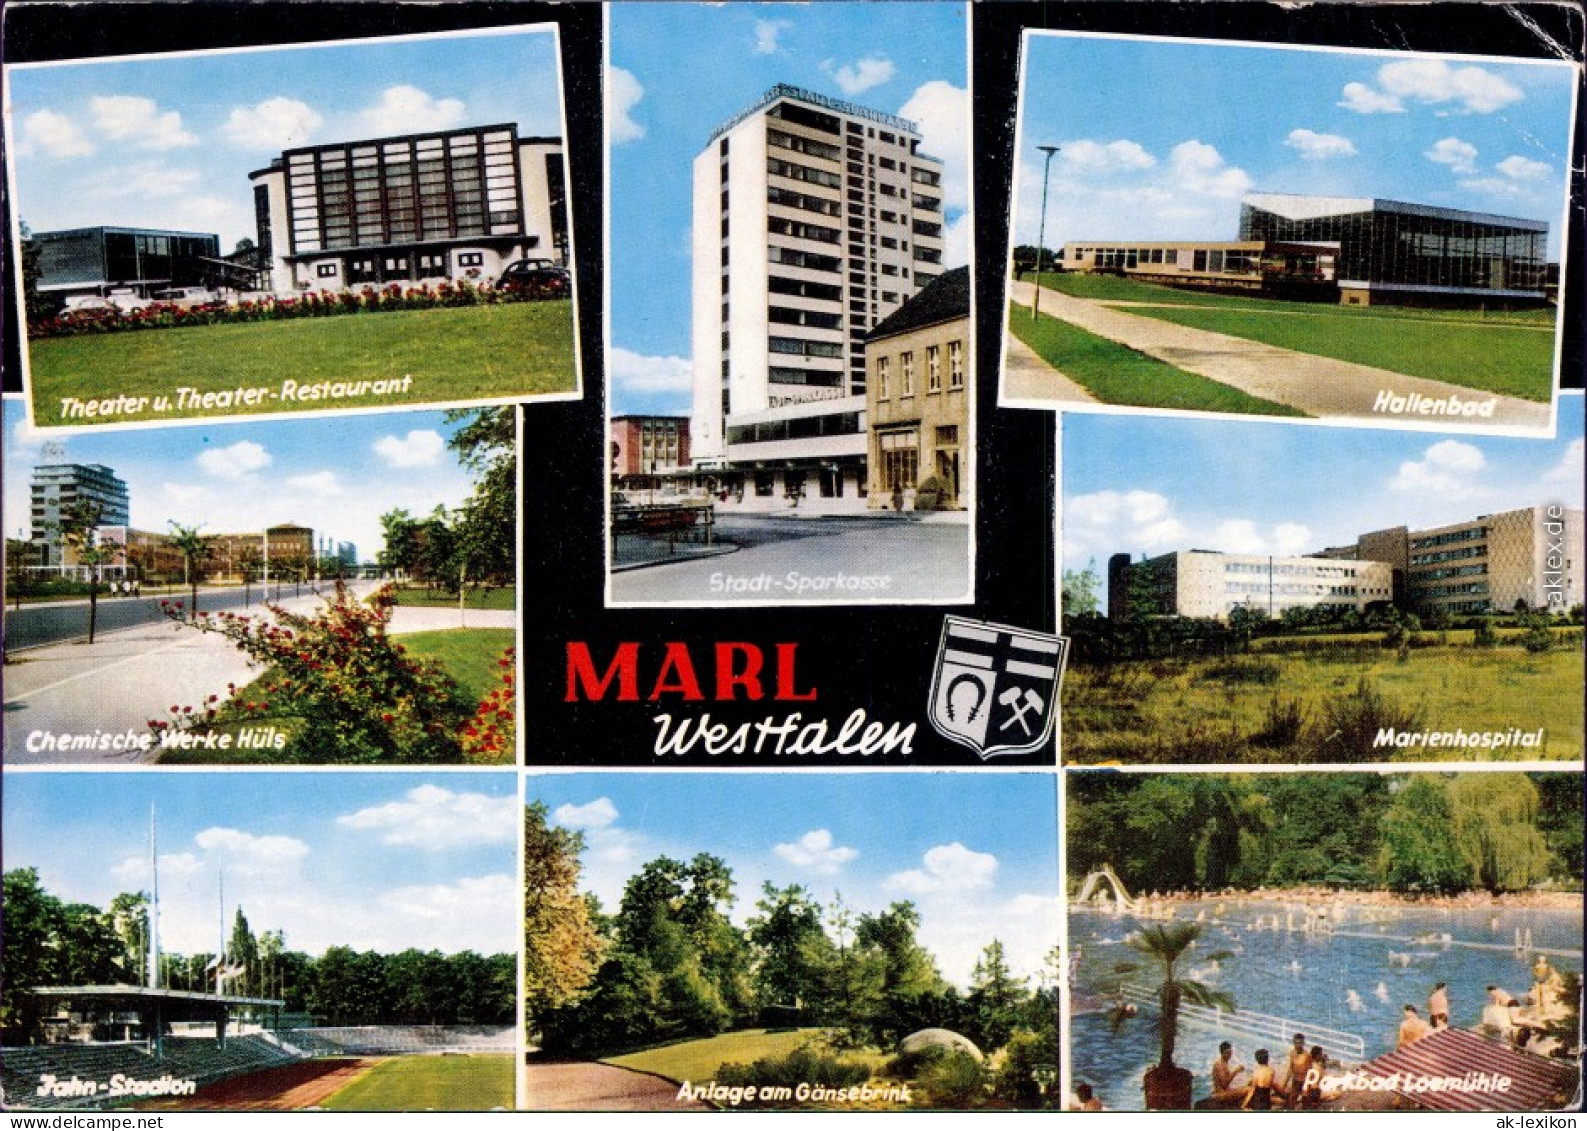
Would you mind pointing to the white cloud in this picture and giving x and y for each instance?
(1291, 539)
(318, 482)
(246, 852)
(1364, 100)
(274, 124)
(767, 33)
(138, 121)
(1200, 169)
(1101, 523)
(956, 240)
(1087, 156)
(431, 817)
(422, 447)
(942, 112)
(947, 867)
(407, 109)
(134, 870)
(623, 92)
(52, 135)
(1319, 147)
(1522, 169)
(636, 373)
(1244, 536)
(815, 852)
(235, 461)
(1449, 468)
(1431, 82)
(597, 814)
(1569, 469)
(1460, 156)
(853, 78)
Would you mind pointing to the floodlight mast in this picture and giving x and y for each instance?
(1041, 229)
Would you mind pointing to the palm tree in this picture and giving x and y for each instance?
(194, 548)
(1168, 1085)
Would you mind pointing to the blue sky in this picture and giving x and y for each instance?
(1149, 485)
(680, 70)
(381, 861)
(169, 142)
(1160, 138)
(336, 474)
(976, 852)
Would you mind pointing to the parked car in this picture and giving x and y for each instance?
(126, 299)
(187, 297)
(536, 278)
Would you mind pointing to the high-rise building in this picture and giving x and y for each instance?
(814, 219)
(57, 488)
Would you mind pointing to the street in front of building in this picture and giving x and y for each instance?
(782, 559)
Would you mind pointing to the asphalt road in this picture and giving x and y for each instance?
(60, 621)
(784, 560)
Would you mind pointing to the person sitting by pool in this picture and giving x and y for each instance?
(1413, 1028)
(1259, 1096)
(1085, 1099)
(1295, 1069)
(1224, 1071)
(1312, 1095)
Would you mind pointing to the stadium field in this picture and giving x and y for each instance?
(430, 1083)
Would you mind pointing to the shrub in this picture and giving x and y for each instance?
(954, 1081)
(805, 1065)
(1282, 725)
(1350, 723)
(490, 736)
(932, 494)
(1482, 634)
(359, 695)
(1235, 671)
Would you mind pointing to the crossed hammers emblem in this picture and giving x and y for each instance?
(1021, 702)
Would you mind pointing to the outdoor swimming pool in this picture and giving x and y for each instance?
(1358, 979)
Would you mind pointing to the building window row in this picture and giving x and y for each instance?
(793, 316)
(796, 428)
(803, 201)
(804, 288)
(783, 375)
(777, 226)
(805, 145)
(1450, 555)
(1465, 534)
(793, 257)
(803, 348)
(805, 173)
(804, 116)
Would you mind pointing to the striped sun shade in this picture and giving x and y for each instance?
(1431, 1070)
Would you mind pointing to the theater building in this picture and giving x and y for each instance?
(1356, 251)
(455, 204)
(96, 261)
(814, 220)
(918, 397)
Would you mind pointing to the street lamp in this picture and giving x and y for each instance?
(1041, 237)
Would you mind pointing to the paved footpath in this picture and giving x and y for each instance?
(1320, 386)
(1028, 377)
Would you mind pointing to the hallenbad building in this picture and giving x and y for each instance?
(453, 204)
(1362, 250)
(814, 220)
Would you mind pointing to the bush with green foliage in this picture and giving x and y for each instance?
(954, 1081)
(932, 494)
(805, 1065)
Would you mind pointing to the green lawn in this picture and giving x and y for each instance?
(454, 354)
(504, 598)
(1117, 374)
(431, 1083)
(1275, 707)
(1507, 352)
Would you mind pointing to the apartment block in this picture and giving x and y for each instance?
(814, 220)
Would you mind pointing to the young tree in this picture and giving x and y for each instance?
(793, 954)
(195, 549)
(995, 998)
(1163, 945)
(79, 529)
(1081, 591)
(562, 949)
